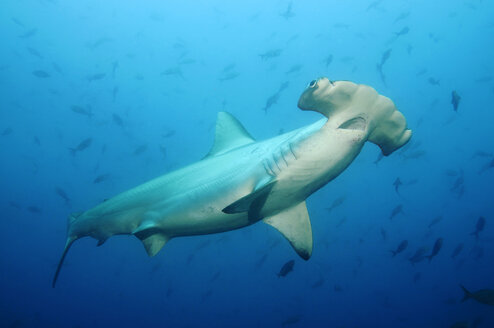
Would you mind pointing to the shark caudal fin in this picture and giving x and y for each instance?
(466, 294)
(70, 240)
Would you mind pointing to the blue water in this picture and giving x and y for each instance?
(145, 79)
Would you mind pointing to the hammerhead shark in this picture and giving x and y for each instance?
(242, 181)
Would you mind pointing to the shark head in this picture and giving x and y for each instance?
(358, 108)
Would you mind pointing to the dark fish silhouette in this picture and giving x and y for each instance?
(337, 202)
(286, 268)
(455, 100)
(294, 69)
(139, 150)
(174, 71)
(114, 69)
(6, 132)
(229, 76)
(402, 16)
(457, 250)
(403, 31)
(34, 52)
(117, 120)
(481, 153)
(487, 166)
(397, 210)
(102, 177)
(60, 192)
(419, 255)
(479, 227)
(271, 54)
(16, 21)
(433, 81)
(274, 98)
(384, 59)
(397, 184)
(34, 209)
(318, 283)
(95, 77)
(328, 60)
(81, 110)
(401, 247)
(484, 296)
(288, 13)
(435, 250)
(261, 261)
(84, 144)
(41, 74)
(416, 277)
(290, 320)
(29, 33)
(384, 234)
(435, 221)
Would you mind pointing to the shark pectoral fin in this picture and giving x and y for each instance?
(229, 134)
(252, 203)
(294, 224)
(154, 243)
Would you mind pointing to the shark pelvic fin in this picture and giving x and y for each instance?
(252, 203)
(294, 224)
(154, 243)
(229, 134)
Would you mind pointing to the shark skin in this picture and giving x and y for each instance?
(241, 181)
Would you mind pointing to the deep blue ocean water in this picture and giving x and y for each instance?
(143, 81)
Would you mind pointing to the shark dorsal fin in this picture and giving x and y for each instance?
(229, 134)
(294, 224)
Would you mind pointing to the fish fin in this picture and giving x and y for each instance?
(467, 294)
(229, 134)
(253, 202)
(294, 225)
(154, 243)
(68, 243)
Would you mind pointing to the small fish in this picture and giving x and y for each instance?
(114, 93)
(95, 77)
(328, 60)
(169, 134)
(421, 72)
(117, 120)
(397, 184)
(403, 31)
(373, 5)
(416, 277)
(270, 54)
(484, 296)
(6, 132)
(455, 100)
(60, 192)
(163, 150)
(290, 320)
(384, 58)
(435, 221)
(294, 69)
(102, 177)
(415, 155)
(34, 52)
(433, 81)
(114, 69)
(397, 210)
(229, 76)
(484, 79)
(479, 227)
(18, 22)
(29, 33)
(15, 205)
(481, 153)
(81, 110)
(99, 42)
(286, 268)
(261, 261)
(288, 13)
(41, 74)
(36, 141)
(457, 250)
(337, 202)
(139, 150)
(337, 288)
(401, 247)
(402, 16)
(57, 68)
(228, 67)
(318, 283)
(419, 255)
(174, 71)
(384, 234)
(271, 101)
(81, 146)
(34, 209)
(487, 166)
(435, 250)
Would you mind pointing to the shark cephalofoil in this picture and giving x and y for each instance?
(241, 181)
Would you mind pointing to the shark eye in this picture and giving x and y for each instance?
(312, 83)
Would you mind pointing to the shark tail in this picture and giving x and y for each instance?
(69, 243)
(70, 240)
(467, 294)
